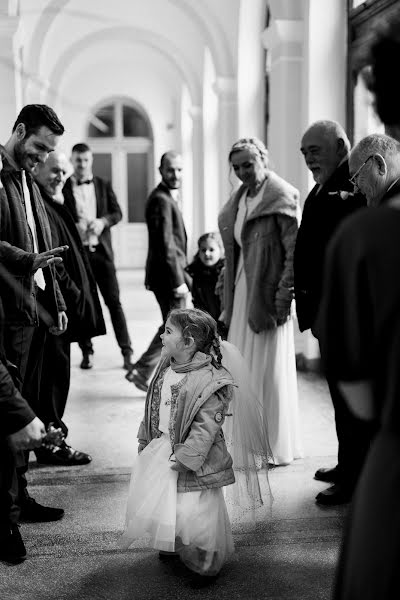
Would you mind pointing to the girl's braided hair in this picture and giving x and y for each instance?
(199, 325)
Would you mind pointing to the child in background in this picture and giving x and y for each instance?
(205, 271)
(175, 496)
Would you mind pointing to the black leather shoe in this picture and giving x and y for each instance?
(328, 475)
(86, 361)
(12, 548)
(164, 555)
(336, 494)
(138, 379)
(62, 455)
(37, 513)
(128, 364)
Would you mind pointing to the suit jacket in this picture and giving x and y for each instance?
(18, 289)
(107, 209)
(78, 286)
(166, 258)
(322, 214)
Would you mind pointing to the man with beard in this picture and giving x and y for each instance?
(30, 297)
(326, 148)
(83, 308)
(166, 258)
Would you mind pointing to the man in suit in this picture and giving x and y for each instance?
(166, 258)
(79, 290)
(95, 209)
(326, 148)
(33, 303)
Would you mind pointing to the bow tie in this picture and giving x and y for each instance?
(84, 182)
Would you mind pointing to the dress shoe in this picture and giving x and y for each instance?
(164, 555)
(138, 379)
(86, 362)
(62, 455)
(328, 475)
(336, 494)
(128, 364)
(12, 548)
(37, 513)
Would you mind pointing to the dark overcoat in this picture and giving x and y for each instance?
(75, 276)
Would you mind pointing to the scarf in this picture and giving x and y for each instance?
(199, 360)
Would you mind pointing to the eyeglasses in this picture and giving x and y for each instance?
(353, 179)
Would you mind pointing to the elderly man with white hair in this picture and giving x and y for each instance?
(375, 167)
(83, 308)
(359, 330)
(326, 149)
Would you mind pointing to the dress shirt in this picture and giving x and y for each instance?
(38, 275)
(86, 208)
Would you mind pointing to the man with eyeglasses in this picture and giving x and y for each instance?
(326, 149)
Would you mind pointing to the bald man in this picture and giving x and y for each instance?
(326, 149)
(83, 308)
(166, 260)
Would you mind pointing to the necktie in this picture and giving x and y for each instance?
(38, 275)
(85, 182)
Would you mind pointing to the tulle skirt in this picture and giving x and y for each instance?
(270, 356)
(151, 506)
(193, 524)
(247, 440)
(203, 531)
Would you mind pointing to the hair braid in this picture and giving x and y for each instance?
(216, 345)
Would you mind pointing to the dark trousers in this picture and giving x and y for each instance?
(106, 278)
(54, 384)
(24, 348)
(354, 438)
(9, 508)
(148, 361)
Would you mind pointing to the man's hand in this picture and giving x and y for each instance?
(28, 437)
(44, 259)
(97, 226)
(62, 324)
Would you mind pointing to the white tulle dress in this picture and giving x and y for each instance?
(195, 524)
(270, 356)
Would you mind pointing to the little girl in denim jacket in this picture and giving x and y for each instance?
(175, 497)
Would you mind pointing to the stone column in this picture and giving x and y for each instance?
(10, 76)
(198, 220)
(284, 42)
(226, 89)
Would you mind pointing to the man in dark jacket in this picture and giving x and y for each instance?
(95, 209)
(326, 149)
(166, 258)
(83, 309)
(30, 297)
(20, 430)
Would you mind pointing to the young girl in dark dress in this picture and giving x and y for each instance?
(205, 271)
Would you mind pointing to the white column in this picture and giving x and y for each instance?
(10, 74)
(283, 42)
(198, 220)
(226, 88)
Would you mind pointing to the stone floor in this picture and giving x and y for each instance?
(292, 554)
